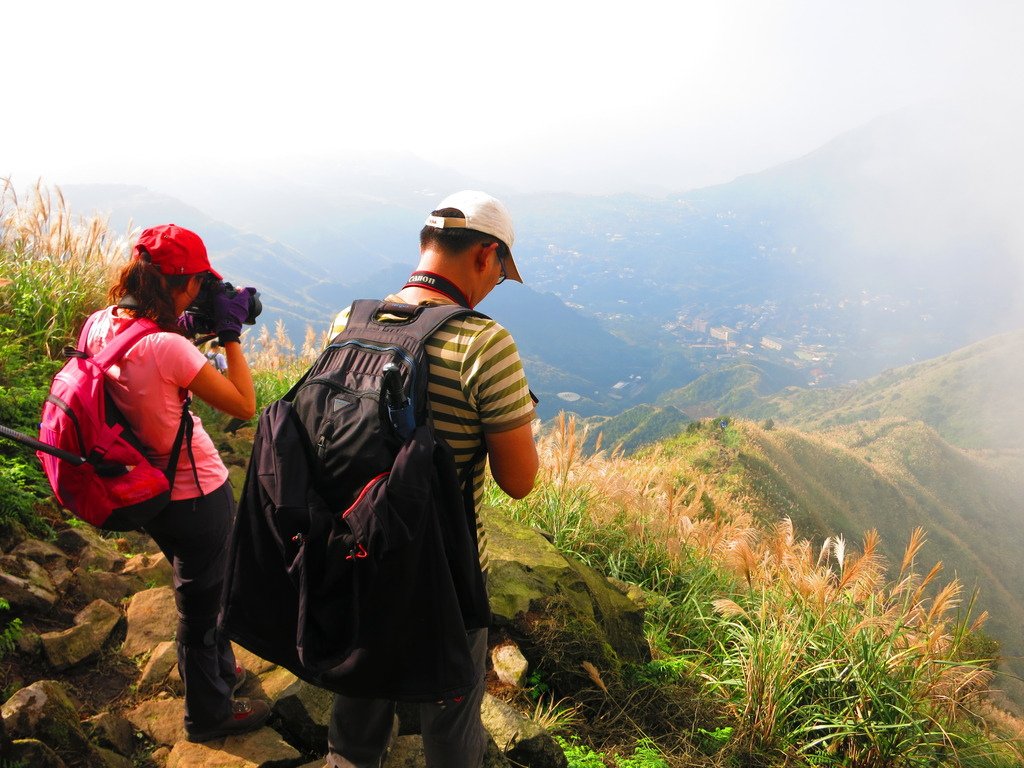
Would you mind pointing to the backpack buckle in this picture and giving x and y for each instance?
(358, 553)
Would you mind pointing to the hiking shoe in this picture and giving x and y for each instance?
(246, 715)
(239, 679)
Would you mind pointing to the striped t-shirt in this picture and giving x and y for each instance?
(476, 385)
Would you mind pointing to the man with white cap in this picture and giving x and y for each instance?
(482, 407)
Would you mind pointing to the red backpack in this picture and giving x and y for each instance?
(96, 466)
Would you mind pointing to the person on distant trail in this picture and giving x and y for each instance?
(479, 399)
(164, 276)
(216, 357)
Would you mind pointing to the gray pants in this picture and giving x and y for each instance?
(453, 736)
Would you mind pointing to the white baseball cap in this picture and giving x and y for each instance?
(481, 213)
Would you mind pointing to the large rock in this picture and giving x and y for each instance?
(152, 570)
(162, 720)
(106, 758)
(88, 544)
(263, 748)
(509, 664)
(34, 753)
(528, 574)
(524, 742)
(74, 539)
(94, 584)
(101, 555)
(157, 671)
(50, 557)
(93, 627)
(275, 681)
(152, 619)
(111, 732)
(305, 712)
(253, 663)
(44, 711)
(26, 585)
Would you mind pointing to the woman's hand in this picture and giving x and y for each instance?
(230, 310)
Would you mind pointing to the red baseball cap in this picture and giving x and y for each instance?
(175, 250)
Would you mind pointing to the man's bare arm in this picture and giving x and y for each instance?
(513, 458)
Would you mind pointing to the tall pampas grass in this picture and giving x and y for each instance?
(55, 267)
(819, 652)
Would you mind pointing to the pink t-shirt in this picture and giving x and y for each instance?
(146, 385)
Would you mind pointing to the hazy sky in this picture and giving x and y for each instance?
(584, 96)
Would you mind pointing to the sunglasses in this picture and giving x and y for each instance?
(501, 263)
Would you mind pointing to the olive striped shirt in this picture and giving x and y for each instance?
(476, 385)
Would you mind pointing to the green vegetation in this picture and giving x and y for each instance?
(799, 655)
(578, 755)
(633, 429)
(24, 380)
(10, 631)
(730, 390)
(969, 397)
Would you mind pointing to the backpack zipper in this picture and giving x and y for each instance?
(397, 351)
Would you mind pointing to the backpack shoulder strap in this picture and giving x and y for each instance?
(434, 316)
(423, 319)
(121, 342)
(114, 351)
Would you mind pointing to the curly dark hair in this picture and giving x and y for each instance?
(457, 239)
(151, 291)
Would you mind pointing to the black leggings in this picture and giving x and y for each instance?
(193, 535)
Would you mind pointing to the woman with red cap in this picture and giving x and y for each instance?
(149, 385)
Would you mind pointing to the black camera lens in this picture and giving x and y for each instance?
(202, 309)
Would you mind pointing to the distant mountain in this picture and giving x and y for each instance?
(351, 216)
(971, 397)
(563, 349)
(896, 242)
(733, 389)
(283, 275)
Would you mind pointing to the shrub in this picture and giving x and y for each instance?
(10, 633)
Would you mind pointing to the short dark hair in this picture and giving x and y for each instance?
(452, 240)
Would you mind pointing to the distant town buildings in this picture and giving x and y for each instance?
(722, 333)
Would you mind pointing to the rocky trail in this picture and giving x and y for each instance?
(93, 681)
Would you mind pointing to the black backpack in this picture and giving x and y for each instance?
(354, 559)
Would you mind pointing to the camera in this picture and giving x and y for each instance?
(201, 316)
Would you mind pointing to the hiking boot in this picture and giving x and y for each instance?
(246, 715)
(239, 679)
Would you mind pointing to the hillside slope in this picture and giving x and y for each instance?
(895, 475)
(633, 429)
(971, 396)
(734, 389)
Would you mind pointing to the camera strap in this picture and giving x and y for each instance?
(435, 282)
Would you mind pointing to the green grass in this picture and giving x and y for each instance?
(804, 683)
(25, 496)
(645, 755)
(10, 631)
